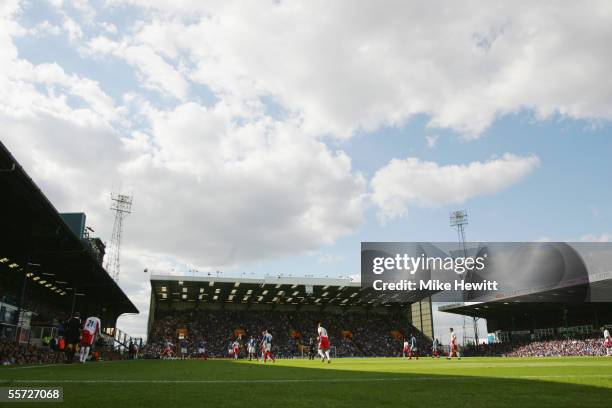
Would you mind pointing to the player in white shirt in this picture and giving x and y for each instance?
(91, 328)
(607, 342)
(406, 349)
(454, 347)
(323, 344)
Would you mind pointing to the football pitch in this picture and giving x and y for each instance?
(370, 382)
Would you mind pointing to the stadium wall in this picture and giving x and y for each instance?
(421, 317)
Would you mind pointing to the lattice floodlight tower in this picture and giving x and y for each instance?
(459, 219)
(121, 204)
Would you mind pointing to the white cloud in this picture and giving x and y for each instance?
(43, 29)
(225, 193)
(356, 65)
(109, 27)
(72, 28)
(330, 259)
(210, 189)
(154, 71)
(85, 9)
(28, 90)
(207, 190)
(213, 186)
(412, 182)
(597, 238)
(19, 89)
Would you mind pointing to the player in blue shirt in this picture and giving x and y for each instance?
(414, 349)
(201, 348)
(184, 344)
(267, 346)
(252, 348)
(435, 348)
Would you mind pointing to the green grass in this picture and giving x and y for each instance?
(376, 382)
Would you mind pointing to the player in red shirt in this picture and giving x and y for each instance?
(454, 347)
(168, 353)
(608, 342)
(236, 349)
(323, 344)
(91, 328)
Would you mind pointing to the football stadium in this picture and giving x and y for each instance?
(205, 333)
(285, 203)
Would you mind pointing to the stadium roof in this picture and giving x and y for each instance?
(35, 239)
(503, 309)
(270, 290)
(598, 291)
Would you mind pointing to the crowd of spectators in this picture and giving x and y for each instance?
(12, 353)
(53, 352)
(550, 347)
(33, 347)
(560, 348)
(352, 335)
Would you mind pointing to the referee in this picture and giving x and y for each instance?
(73, 334)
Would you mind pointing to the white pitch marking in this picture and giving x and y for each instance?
(75, 364)
(35, 366)
(308, 380)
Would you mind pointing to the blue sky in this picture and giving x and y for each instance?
(567, 198)
(274, 139)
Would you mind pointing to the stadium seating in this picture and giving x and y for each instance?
(352, 335)
(553, 347)
(12, 353)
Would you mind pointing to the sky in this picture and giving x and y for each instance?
(273, 137)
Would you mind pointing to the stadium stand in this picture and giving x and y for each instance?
(560, 348)
(353, 335)
(12, 352)
(566, 347)
(49, 268)
(222, 310)
(545, 322)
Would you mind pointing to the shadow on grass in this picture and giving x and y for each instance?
(222, 383)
